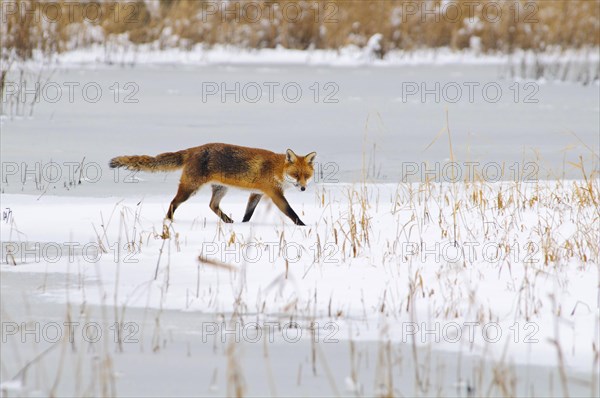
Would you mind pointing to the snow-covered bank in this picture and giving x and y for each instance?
(152, 54)
(520, 285)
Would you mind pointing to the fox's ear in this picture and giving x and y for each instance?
(310, 158)
(290, 156)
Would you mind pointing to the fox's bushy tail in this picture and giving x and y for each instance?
(168, 161)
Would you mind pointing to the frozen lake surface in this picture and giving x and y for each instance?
(375, 119)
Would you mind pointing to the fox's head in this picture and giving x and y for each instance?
(298, 170)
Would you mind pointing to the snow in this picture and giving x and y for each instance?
(363, 284)
(376, 267)
(348, 56)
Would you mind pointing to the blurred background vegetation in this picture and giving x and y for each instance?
(47, 27)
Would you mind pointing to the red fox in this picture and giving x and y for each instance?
(223, 165)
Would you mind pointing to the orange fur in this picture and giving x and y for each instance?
(224, 165)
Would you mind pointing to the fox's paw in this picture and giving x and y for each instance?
(227, 219)
(165, 232)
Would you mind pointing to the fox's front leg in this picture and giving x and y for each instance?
(283, 205)
(252, 202)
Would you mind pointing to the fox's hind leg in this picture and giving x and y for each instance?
(218, 191)
(252, 202)
(183, 193)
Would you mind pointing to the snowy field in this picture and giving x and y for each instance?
(407, 280)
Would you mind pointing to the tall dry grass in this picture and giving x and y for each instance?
(492, 25)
